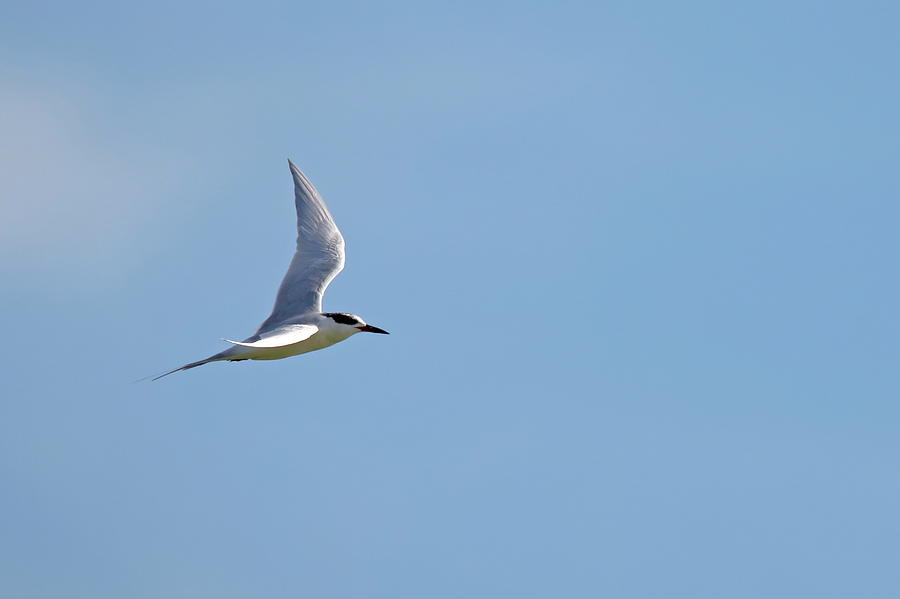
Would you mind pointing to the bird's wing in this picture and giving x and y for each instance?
(279, 337)
(318, 259)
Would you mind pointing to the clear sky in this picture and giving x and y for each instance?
(639, 260)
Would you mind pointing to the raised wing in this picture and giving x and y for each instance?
(318, 259)
(279, 337)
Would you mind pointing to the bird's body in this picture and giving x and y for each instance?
(297, 324)
(323, 331)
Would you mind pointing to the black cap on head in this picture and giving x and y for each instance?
(343, 318)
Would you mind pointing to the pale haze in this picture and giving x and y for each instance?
(638, 261)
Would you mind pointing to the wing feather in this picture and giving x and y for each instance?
(318, 259)
(286, 335)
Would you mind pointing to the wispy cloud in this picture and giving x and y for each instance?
(73, 192)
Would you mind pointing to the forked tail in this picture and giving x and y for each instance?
(228, 354)
(185, 367)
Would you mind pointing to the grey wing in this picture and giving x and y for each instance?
(318, 259)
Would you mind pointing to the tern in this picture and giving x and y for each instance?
(297, 324)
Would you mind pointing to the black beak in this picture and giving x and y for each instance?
(370, 329)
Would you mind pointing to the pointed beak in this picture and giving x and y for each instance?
(370, 329)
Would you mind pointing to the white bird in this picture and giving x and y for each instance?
(297, 324)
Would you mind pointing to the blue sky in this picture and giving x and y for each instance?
(638, 260)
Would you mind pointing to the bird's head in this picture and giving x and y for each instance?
(352, 320)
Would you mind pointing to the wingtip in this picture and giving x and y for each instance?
(295, 171)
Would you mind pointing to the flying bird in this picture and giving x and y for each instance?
(297, 324)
